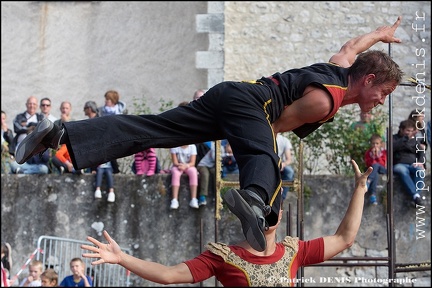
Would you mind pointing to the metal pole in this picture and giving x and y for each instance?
(390, 212)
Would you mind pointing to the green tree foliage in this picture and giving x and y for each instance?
(141, 107)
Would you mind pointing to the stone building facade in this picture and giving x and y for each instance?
(76, 51)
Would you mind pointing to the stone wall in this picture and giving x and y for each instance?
(76, 51)
(140, 219)
(264, 37)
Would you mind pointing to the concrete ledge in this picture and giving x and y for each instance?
(140, 218)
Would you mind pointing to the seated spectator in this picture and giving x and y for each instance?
(49, 278)
(35, 269)
(376, 157)
(229, 163)
(146, 163)
(45, 108)
(285, 154)
(107, 169)
(62, 160)
(23, 121)
(5, 282)
(198, 93)
(78, 277)
(369, 126)
(363, 130)
(6, 264)
(408, 160)
(183, 161)
(38, 164)
(65, 113)
(206, 169)
(91, 110)
(113, 105)
(8, 149)
(26, 120)
(420, 123)
(202, 149)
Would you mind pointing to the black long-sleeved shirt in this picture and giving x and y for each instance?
(407, 150)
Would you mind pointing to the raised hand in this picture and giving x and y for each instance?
(106, 253)
(360, 178)
(387, 32)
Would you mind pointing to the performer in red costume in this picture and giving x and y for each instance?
(241, 265)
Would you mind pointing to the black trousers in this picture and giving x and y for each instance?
(240, 112)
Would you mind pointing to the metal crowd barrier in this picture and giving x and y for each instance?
(57, 252)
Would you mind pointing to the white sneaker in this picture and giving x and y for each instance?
(98, 194)
(174, 204)
(194, 203)
(111, 197)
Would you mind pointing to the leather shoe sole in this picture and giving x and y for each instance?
(252, 224)
(31, 144)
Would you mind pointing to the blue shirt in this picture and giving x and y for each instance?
(68, 281)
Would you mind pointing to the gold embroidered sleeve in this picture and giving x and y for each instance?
(219, 249)
(292, 242)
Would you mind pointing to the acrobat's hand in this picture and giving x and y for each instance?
(387, 32)
(361, 179)
(106, 253)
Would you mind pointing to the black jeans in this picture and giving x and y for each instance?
(237, 111)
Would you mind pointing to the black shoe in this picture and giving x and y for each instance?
(251, 210)
(45, 135)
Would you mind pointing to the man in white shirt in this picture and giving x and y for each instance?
(45, 108)
(23, 121)
(284, 152)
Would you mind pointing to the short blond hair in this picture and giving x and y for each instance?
(36, 263)
(51, 274)
(77, 259)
